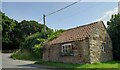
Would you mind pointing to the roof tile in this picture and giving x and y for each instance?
(73, 34)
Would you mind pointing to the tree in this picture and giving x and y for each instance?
(14, 33)
(7, 27)
(114, 32)
(25, 29)
(29, 27)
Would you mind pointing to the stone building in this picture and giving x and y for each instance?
(84, 44)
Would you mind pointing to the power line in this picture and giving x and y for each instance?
(40, 20)
(56, 12)
(74, 14)
(62, 8)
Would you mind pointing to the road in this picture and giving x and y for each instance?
(11, 63)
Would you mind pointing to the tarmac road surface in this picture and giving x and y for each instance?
(11, 63)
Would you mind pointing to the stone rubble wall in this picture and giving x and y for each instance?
(97, 54)
(81, 57)
(89, 50)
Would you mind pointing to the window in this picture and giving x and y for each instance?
(103, 47)
(67, 49)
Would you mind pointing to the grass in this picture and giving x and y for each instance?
(110, 64)
(23, 55)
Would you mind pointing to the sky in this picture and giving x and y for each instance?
(59, 0)
(76, 15)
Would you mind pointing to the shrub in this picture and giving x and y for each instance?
(55, 34)
(33, 44)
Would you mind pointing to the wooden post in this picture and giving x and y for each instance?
(44, 23)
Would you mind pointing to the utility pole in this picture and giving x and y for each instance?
(44, 26)
(44, 23)
(119, 6)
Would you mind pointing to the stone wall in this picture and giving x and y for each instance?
(45, 52)
(53, 53)
(96, 48)
(100, 45)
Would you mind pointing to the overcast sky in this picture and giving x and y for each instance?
(76, 15)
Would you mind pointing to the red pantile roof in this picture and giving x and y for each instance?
(73, 34)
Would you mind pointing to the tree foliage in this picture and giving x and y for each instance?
(25, 35)
(14, 33)
(55, 34)
(114, 32)
(8, 26)
(35, 42)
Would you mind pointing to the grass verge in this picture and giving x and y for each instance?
(23, 55)
(110, 64)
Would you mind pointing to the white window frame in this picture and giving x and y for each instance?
(65, 47)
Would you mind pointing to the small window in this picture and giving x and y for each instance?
(67, 50)
(71, 46)
(103, 47)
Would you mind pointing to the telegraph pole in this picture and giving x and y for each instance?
(44, 26)
(44, 23)
(119, 6)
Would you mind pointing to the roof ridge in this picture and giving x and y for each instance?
(82, 26)
(76, 33)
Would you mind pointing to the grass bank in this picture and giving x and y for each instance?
(110, 64)
(24, 55)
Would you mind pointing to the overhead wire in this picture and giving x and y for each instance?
(62, 8)
(74, 14)
(59, 10)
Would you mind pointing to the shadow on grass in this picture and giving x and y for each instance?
(110, 64)
(35, 66)
(58, 64)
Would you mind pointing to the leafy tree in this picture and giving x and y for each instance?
(7, 27)
(14, 33)
(29, 27)
(114, 32)
(25, 29)
(26, 35)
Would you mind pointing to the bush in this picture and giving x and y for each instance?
(55, 34)
(34, 44)
(30, 41)
(37, 49)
